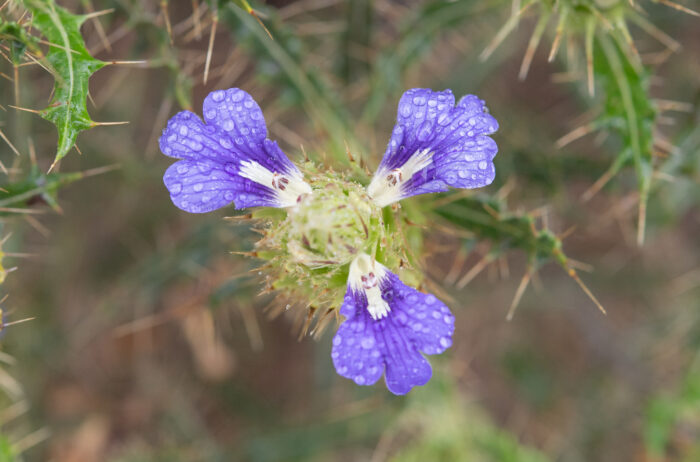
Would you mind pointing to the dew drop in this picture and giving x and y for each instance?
(462, 173)
(184, 130)
(436, 315)
(175, 189)
(230, 168)
(198, 187)
(225, 143)
(443, 120)
(172, 138)
(342, 370)
(445, 342)
(218, 96)
(375, 354)
(210, 114)
(206, 197)
(430, 299)
(367, 343)
(337, 340)
(237, 95)
(228, 125)
(417, 326)
(448, 319)
(405, 110)
(483, 165)
(204, 167)
(248, 103)
(360, 380)
(228, 195)
(418, 100)
(182, 169)
(401, 317)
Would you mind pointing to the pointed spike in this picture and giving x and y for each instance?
(532, 45)
(257, 18)
(168, 26)
(519, 294)
(503, 32)
(573, 275)
(558, 35)
(210, 48)
(590, 32)
(679, 7)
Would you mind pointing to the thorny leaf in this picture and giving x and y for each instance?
(72, 64)
(489, 219)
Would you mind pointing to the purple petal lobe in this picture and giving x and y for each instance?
(436, 145)
(228, 158)
(364, 347)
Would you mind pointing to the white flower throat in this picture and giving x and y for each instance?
(366, 275)
(288, 188)
(386, 186)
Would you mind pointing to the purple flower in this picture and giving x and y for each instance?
(387, 326)
(227, 158)
(434, 145)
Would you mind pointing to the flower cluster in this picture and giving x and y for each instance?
(435, 145)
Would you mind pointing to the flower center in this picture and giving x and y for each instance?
(288, 188)
(366, 275)
(386, 188)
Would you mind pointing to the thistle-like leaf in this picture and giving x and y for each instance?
(71, 65)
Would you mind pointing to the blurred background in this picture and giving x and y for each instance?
(151, 341)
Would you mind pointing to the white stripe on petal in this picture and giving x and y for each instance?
(366, 275)
(386, 186)
(288, 187)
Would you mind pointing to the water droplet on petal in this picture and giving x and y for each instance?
(198, 187)
(430, 299)
(445, 342)
(210, 114)
(218, 96)
(248, 103)
(237, 95)
(405, 110)
(360, 380)
(436, 315)
(448, 319)
(182, 169)
(204, 167)
(417, 326)
(483, 165)
(231, 168)
(228, 195)
(228, 125)
(367, 343)
(401, 317)
(225, 143)
(337, 340)
(418, 100)
(175, 189)
(172, 138)
(184, 130)
(342, 370)
(444, 119)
